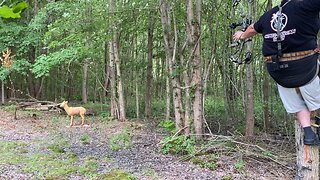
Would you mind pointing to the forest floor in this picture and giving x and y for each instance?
(41, 146)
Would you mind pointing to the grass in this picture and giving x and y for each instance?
(85, 139)
(56, 148)
(89, 167)
(151, 174)
(209, 161)
(117, 174)
(50, 165)
(120, 141)
(12, 152)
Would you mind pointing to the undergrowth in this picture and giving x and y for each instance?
(121, 140)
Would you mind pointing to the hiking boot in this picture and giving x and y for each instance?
(312, 141)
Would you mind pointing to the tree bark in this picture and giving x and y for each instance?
(307, 157)
(137, 96)
(122, 104)
(266, 91)
(249, 102)
(149, 80)
(113, 107)
(117, 62)
(265, 99)
(168, 96)
(249, 87)
(2, 92)
(193, 34)
(186, 79)
(85, 81)
(171, 47)
(106, 71)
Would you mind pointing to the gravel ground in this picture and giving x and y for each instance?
(143, 159)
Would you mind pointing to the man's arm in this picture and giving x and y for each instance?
(249, 32)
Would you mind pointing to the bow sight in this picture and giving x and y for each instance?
(243, 24)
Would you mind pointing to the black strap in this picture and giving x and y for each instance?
(276, 57)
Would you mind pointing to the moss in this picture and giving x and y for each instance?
(85, 139)
(117, 174)
(56, 148)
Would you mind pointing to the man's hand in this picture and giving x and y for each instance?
(238, 35)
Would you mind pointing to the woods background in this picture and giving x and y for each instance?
(149, 59)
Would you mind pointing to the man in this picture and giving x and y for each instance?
(290, 50)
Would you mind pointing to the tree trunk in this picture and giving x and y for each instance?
(122, 108)
(137, 96)
(170, 47)
(168, 101)
(249, 102)
(193, 34)
(307, 157)
(85, 82)
(113, 107)
(265, 98)
(2, 92)
(266, 91)
(186, 79)
(39, 90)
(148, 93)
(249, 87)
(106, 70)
(117, 81)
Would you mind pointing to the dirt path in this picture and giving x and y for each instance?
(45, 148)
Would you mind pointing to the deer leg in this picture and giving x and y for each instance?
(71, 121)
(82, 118)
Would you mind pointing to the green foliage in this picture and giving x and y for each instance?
(50, 165)
(85, 139)
(14, 11)
(180, 145)
(120, 141)
(239, 165)
(214, 106)
(89, 167)
(56, 148)
(169, 125)
(12, 152)
(117, 174)
(227, 177)
(151, 174)
(268, 153)
(106, 116)
(9, 108)
(209, 161)
(45, 63)
(240, 128)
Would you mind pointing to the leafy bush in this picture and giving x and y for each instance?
(180, 145)
(169, 125)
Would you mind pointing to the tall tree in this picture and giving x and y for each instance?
(148, 93)
(266, 91)
(170, 39)
(193, 34)
(116, 56)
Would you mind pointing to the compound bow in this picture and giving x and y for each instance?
(238, 46)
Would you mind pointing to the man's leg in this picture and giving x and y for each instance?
(310, 138)
(303, 117)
